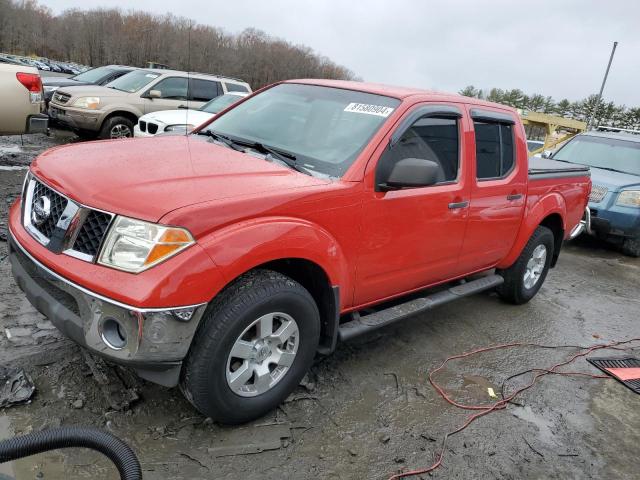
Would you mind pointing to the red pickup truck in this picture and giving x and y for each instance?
(223, 261)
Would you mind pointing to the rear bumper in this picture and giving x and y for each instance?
(156, 340)
(37, 123)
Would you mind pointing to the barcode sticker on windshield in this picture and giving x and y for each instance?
(378, 110)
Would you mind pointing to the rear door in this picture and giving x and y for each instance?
(412, 237)
(498, 187)
(201, 91)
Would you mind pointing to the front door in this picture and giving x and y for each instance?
(174, 93)
(412, 237)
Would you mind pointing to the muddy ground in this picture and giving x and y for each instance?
(369, 410)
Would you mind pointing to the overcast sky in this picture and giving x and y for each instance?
(557, 48)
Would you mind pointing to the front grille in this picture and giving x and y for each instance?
(92, 232)
(143, 125)
(57, 205)
(153, 128)
(61, 98)
(80, 235)
(597, 193)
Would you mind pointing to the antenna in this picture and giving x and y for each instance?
(186, 130)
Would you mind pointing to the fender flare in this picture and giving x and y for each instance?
(243, 246)
(552, 203)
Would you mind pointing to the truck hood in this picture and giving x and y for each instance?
(89, 90)
(178, 117)
(147, 178)
(614, 181)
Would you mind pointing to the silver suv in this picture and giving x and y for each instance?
(112, 111)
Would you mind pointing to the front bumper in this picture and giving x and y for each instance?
(611, 220)
(157, 340)
(76, 118)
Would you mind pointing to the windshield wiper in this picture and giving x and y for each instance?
(220, 138)
(287, 158)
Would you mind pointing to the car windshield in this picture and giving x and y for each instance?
(219, 103)
(534, 145)
(133, 81)
(324, 128)
(94, 75)
(602, 152)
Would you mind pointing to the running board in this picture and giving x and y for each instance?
(373, 321)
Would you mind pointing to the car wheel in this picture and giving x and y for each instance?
(631, 246)
(116, 127)
(256, 341)
(523, 279)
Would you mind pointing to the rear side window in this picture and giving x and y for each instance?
(235, 87)
(429, 138)
(494, 149)
(204, 90)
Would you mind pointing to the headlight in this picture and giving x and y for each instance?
(92, 103)
(179, 128)
(629, 198)
(133, 245)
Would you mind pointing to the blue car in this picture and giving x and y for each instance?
(614, 203)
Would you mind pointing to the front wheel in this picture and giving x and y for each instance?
(254, 346)
(523, 279)
(116, 127)
(631, 246)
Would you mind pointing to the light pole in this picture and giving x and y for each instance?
(604, 80)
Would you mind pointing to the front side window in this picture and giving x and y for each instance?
(324, 128)
(429, 138)
(133, 81)
(204, 90)
(172, 88)
(494, 149)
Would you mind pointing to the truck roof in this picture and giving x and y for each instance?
(398, 92)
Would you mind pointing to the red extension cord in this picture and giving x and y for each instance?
(483, 410)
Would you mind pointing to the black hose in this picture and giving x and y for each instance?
(73, 437)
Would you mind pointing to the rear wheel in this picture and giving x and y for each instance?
(256, 342)
(523, 279)
(116, 127)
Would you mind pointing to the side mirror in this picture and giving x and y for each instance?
(411, 173)
(155, 94)
(547, 154)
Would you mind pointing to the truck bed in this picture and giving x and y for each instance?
(543, 168)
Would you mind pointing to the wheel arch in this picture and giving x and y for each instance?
(549, 211)
(120, 113)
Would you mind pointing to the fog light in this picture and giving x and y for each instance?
(113, 335)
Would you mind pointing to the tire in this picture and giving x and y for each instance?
(523, 279)
(210, 366)
(631, 246)
(116, 127)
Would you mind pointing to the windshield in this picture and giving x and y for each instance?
(534, 145)
(602, 152)
(133, 81)
(324, 128)
(94, 75)
(219, 103)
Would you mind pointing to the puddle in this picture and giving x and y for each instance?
(544, 426)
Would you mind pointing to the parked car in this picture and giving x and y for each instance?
(112, 111)
(614, 202)
(534, 145)
(21, 100)
(95, 76)
(226, 259)
(183, 120)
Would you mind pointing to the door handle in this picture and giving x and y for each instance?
(514, 196)
(454, 205)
